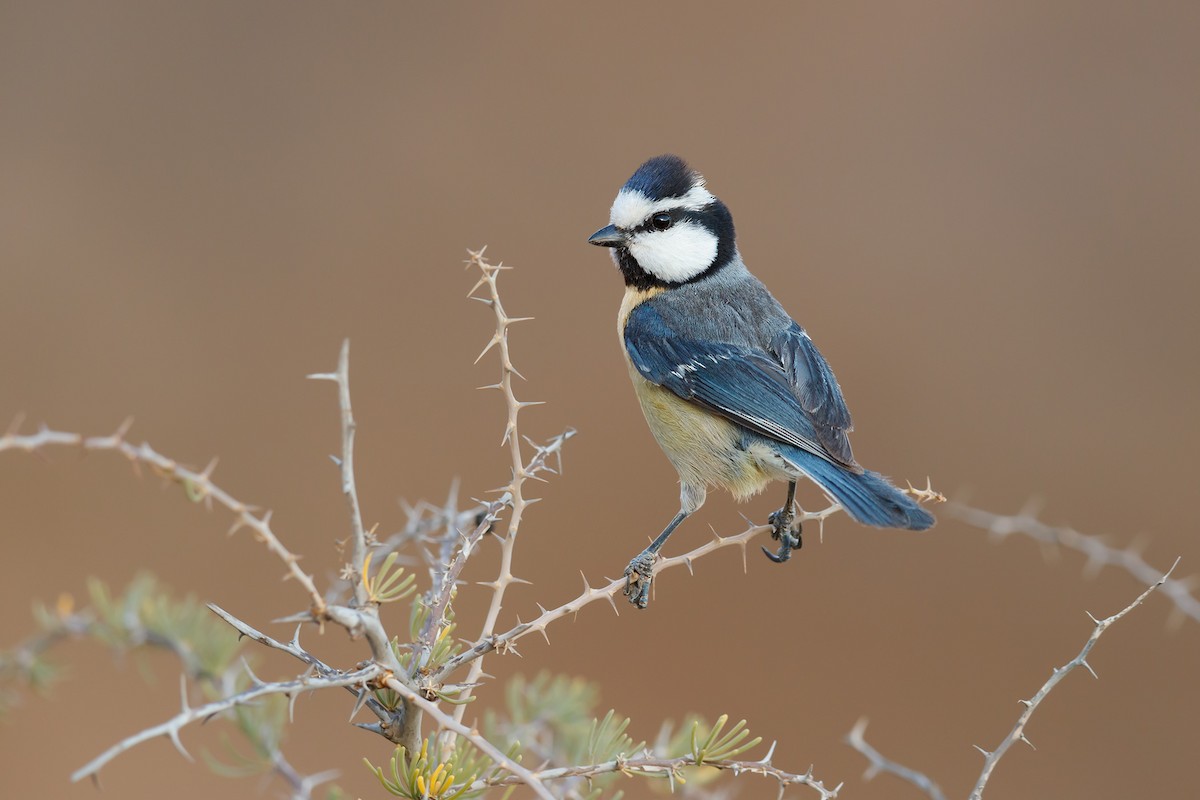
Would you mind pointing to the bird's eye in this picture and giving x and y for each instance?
(660, 222)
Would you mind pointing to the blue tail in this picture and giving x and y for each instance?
(868, 496)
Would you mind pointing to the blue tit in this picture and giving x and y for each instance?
(733, 389)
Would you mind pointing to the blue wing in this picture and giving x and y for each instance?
(787, 393)
(817, 389)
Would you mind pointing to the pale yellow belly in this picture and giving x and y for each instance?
(704, 448)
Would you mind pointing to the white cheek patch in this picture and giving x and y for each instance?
(632, 208)
(676, 254)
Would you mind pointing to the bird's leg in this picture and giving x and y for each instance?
(781, 528)
(640, 571)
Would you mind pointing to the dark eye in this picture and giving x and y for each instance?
(660, 222)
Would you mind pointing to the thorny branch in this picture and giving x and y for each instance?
(515, 490)
(878, 763)
(294, 649)
(445, 575)
(358, 535)
(363, 618)
(1017, 734)
(390, 681)
(504, 642)
(188, 715)
(1099, 554)
(652, 766)
(463, 532)
(197, 485)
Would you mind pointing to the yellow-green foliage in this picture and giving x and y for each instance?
(424, 777)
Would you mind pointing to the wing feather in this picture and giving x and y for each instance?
(789, 394)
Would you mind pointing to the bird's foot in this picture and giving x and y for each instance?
(781, 530)
(638, 576)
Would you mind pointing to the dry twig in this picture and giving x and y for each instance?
(1099, 554)
(879, 763)
(197, 485)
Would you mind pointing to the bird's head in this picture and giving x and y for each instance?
(666, 228)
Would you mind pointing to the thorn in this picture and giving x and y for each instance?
(1032, 508)
(174, 734)
(322, 376)
(122, 429)
(254, 679)
(1137, 546)
(1083, 662)
(495, 340)
(15, 426)
(612, 601)
(292, 707)
(856, 732)
(1175, 619)
(1093, 619)
(1026, 741)
(986, 754)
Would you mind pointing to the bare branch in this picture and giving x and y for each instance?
(363, 619)
(878, 763)
(1098, 553)
(446, 577)
(669, 768)
(197, 485)
(188, 715)
(358, 535)
(1017, 734)
(512, 437)
(294, 649)
(608, 591)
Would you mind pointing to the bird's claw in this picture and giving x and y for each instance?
(781, 530)
(638, 576)
(789, 543)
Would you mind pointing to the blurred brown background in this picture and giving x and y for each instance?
(985, 213)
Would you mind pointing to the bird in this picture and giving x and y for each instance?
(732, 388)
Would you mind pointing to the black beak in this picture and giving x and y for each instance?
(609, 236)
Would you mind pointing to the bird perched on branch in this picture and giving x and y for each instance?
(735, 391)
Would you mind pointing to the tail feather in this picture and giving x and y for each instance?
(867, 496)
